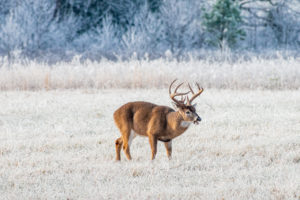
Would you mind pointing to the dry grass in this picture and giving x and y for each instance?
(278, 73)
(60, 145)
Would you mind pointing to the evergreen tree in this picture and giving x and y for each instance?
(224, 23)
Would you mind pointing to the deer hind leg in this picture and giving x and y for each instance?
(127, 136)
(168, 146)
(119, 144)
(153, 145)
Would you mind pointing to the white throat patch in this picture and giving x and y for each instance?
(185, 124)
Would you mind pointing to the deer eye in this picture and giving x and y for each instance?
(187, 112)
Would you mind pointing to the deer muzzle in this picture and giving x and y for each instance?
(197, 120)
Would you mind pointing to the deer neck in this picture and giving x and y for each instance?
(177, 123)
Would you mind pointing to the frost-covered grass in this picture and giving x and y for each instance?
(60, 145)
(255, 72)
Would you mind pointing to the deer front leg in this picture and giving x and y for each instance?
(168, 146)
(153, 144)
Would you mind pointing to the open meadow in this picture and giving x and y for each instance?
(59, 144)
(67, 65)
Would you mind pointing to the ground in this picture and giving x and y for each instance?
(60, 145)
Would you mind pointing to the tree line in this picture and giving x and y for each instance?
(100, 28)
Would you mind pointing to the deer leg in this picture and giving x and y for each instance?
(126, 143)
(153, 144)
(119, 143)
(168, 146)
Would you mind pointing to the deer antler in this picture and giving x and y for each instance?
(173, 95)
(200, 90)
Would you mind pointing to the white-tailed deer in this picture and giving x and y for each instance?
(156, 122)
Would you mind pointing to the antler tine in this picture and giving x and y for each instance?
(200, 90)
(188, 101)
(183, 99)
(173, 95)
(175, 91)
(191, 89)
(171, 85)
(178, 86)
(179, 94)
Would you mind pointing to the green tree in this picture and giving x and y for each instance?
(224, 23)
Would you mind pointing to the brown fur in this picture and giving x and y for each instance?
(154, 121)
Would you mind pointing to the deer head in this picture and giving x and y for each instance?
(186, 110)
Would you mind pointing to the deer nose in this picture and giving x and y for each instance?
(198, 119)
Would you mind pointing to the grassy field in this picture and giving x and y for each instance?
(242, 73)
(60, 145)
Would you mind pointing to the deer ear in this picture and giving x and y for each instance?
(194, 105)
